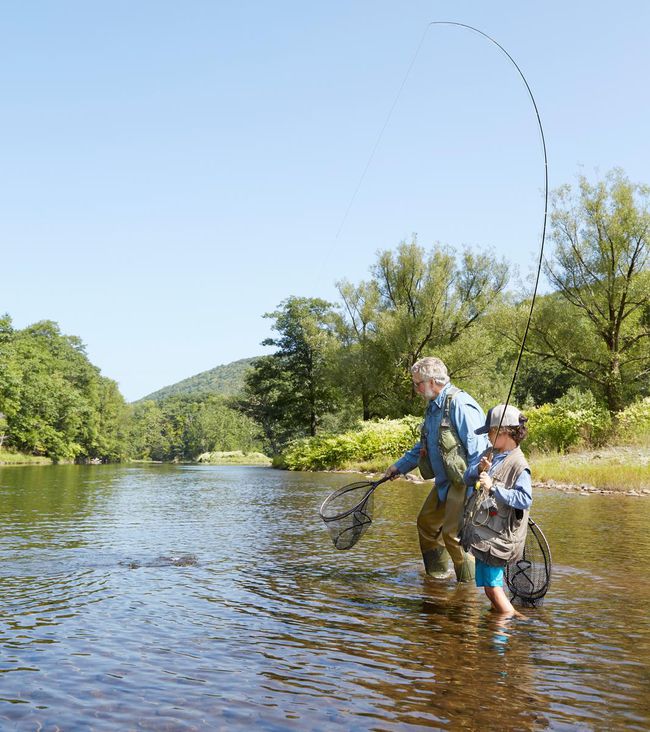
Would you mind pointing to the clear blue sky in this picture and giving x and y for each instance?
(171, 171)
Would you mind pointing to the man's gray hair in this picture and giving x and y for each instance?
(431, 368)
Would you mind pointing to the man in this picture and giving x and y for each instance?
(447, 444)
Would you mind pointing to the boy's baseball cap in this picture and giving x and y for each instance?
(510, 418)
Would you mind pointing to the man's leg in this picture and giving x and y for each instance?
(452, 522)
(430, 518)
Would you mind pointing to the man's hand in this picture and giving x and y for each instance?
(392, 472)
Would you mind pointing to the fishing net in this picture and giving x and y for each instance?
(347, 512)
(530, 577)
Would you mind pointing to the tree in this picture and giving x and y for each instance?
(600, 270)
(433, 302)
(55, 401)
(362, 359)
(291, 391)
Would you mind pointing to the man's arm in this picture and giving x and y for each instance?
(407, 462)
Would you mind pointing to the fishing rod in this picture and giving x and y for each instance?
(543, 140)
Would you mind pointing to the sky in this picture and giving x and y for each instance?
(172, 171)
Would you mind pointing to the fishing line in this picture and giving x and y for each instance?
(543, 139)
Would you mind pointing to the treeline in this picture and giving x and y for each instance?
(337, 363)
(183, 427)
(54, 402)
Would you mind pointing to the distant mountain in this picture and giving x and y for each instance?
(227, 380)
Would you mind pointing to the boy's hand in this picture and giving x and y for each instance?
(484, 464)
(485, 481)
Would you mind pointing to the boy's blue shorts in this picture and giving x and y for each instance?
(487, 576)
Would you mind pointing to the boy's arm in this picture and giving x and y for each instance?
(521, 496)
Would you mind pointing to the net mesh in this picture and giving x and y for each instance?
(530, 577)
(347, 513)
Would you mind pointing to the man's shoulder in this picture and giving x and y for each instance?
(462, 398)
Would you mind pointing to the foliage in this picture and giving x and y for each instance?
(383, 438)
(574, 420)
(633, 423)
(233, 457)
(598, 324)
(431, 303)
(55, 402)
(181, 428)
(225, 380)
(291, 391)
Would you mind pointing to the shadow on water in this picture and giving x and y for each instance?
(187, 598)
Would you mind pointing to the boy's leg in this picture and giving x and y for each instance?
(493, 585)
(499, 600)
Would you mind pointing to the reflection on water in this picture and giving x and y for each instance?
(193, 598)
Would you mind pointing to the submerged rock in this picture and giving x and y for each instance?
(172, 560)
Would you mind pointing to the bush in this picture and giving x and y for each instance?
(384, 438)
(633, 423)
(574, 420)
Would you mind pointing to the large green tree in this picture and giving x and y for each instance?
(432, 303)
(362, 360)
(55, 401)
(291, 391)
(597, 324)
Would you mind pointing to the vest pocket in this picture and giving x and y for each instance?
(452, 454)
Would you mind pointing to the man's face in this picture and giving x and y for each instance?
(426, 388)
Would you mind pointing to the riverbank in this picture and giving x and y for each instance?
(234, 457)
(19, 458)
(613, 470)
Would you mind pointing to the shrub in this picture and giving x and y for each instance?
(383, 438)
(633, 423)
(574, 420)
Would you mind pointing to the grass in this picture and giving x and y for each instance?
(614, 468)
(622, 468)
(18, 458)
(236, 457)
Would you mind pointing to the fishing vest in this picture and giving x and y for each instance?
(494, 531)
(452, 450)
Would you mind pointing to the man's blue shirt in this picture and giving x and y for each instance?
(466, 416)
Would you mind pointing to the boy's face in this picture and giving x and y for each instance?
(500, 439)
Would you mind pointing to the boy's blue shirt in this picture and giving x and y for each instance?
(466, 416)
(519, 496)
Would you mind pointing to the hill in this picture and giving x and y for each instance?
(227, 380)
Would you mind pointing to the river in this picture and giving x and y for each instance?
(211, 598)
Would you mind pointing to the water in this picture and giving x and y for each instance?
(210, 598)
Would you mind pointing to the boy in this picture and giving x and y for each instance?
(496, 514)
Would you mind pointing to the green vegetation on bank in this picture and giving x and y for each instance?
(235, 457)
(19, 458)
(558, 434)
(622, 468)
(53, 401)
(589, 341)
(339, 375)
(183, 427)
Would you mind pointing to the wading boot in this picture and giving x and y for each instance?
(436, 562)
(465, 569)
